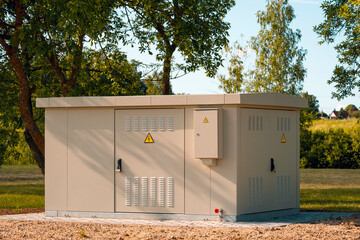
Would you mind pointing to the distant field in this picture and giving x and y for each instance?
(21, 187)
(330, 190)
(320, 189)
(326, 124)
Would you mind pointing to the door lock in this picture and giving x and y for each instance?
(118, 167)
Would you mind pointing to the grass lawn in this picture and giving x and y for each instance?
(21, 187)
(330, 189)
(320, 189)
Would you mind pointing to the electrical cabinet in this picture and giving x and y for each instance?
(231, 156)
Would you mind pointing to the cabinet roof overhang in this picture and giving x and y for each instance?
(245, 99)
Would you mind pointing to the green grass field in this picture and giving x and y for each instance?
(326, 124)
(330, 190)
(320, 189)
(21, 187)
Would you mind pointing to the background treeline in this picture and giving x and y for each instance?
(331, 144)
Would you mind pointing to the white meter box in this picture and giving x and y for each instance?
(208, 133)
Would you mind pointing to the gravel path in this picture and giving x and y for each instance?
(339, 228)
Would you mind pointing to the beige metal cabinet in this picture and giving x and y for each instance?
(231, 156)
(150, 145)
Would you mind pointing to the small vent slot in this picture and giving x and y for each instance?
(261, 123)
(257, 123)
(144, 123)
(161, 192)
(128, 123)
(281, 123)
(153, 191)
(170, 123)
(170, 192)
(283, 189)
(153, 123)
(285, 124)
(136, 193)
(255, 191)
(136, 123)
(144, 191)
(288, 124)
(253, 123)
(127, 191)
(161, 123)
(278, 124)
(249, 123)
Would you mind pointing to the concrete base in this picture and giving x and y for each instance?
(158, 216)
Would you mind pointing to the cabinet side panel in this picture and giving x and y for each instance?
(197, 175)
(56, 159)
(91, 160)
(223, 175)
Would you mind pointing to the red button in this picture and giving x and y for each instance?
(216, 210)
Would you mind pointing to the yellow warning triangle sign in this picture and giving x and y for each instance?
(205, 120)
(283, 140)
(149, 139)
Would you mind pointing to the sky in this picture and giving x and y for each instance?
(320, 59)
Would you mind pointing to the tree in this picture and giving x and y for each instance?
(279, 61)
(195, 28)
(44, 43)
(154, 84)
(342, 17)
(342, 114)
(313, 103)
(237, 73)
(351, 107)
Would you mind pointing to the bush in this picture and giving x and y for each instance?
(332, 149)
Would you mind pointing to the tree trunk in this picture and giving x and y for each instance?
(167, 71)
(166, 77)
(32, 133)
(37, 154)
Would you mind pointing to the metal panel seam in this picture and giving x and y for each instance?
(114, 160)
(67, 159)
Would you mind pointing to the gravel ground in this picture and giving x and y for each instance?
(340, 228)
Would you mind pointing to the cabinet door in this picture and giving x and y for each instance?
(150, 144)
(268, 165)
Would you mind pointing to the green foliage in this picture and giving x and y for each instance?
(342, 114)
(343, 18)
(279, 60)
(313, 103)
(57, 48)
(351, 107)
(237, 74)
(154, 84)
(195, 28)
(334, 148)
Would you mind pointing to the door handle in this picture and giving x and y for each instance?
(272, 165)
(119, 167)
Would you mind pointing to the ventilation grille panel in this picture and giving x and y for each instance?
(162, 123)
(159, 190)
(152, 123)
(255, 123)
(136, 123)
(127, 191)
(283, 189)
(283, 124)
(255, 191)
